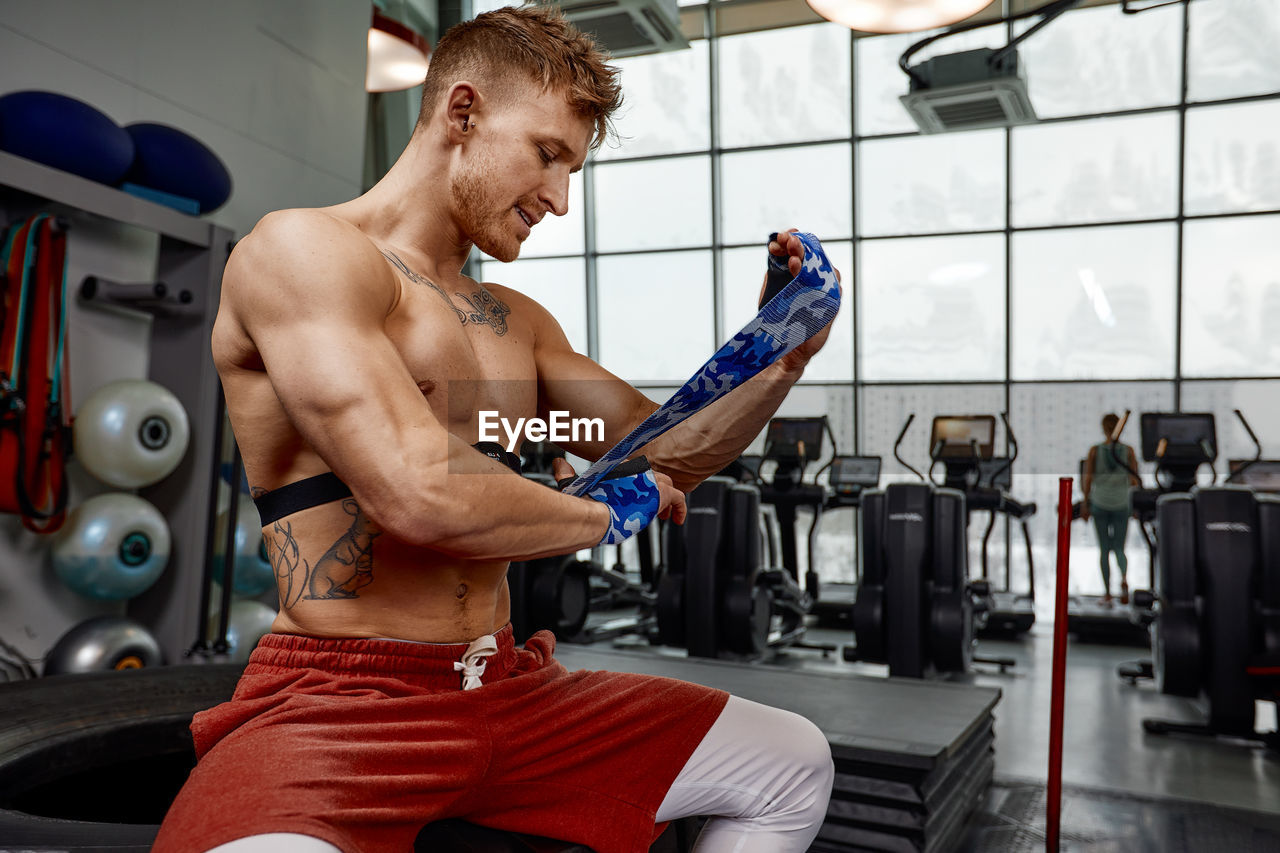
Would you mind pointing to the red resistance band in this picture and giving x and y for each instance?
(35, 415)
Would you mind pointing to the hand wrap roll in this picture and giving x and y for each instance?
(806, 304)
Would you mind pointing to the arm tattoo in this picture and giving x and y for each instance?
(345, 568)
(486, 309)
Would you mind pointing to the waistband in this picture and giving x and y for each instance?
(424, 664)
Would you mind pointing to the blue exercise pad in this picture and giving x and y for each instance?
(66, 134)
(176, 163)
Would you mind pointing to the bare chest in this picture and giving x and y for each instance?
(468, 353)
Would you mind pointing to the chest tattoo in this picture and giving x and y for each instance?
(482, 307)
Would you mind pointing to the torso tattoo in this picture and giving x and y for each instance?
(344, 569)
(483, 308)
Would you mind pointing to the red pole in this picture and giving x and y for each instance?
(1054, 818)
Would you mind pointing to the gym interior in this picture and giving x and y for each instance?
(1043, 214)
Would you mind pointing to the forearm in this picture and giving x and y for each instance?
(470, 506)
(708, 441)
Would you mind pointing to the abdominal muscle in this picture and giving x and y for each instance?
(338, 575)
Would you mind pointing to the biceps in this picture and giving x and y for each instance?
(573, 383)
(348, 394)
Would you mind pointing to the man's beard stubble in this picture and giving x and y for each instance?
(480, 220)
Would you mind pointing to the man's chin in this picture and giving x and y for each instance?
(504, 252)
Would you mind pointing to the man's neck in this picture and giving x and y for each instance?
(408, 210)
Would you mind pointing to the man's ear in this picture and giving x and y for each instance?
(462, 105)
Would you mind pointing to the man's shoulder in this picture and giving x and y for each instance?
(307, 250)
(517, 300)
(305, 229)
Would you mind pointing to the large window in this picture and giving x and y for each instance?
(1231, 297)
(933, 308)
(1121, 252)
(1094, 303)
(1096, 170)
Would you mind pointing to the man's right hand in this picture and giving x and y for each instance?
(671, 502)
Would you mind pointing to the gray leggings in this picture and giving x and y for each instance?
(1112, 526)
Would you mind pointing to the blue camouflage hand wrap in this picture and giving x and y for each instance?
(786, 321)
(633, 501)
(631, 494)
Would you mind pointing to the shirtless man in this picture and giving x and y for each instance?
(355, 358)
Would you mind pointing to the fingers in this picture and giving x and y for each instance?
(561, 469)
(784, 242)
(673, 506)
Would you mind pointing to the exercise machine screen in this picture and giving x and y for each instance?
(1168, 437)
(953, 436)
(1261, 475)
(794, 438)
(855, 471)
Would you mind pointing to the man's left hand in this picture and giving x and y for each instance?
(788, 244)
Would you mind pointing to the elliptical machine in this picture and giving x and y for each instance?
(1215, 610)
(716, 596)
(719, 594)
(965, 446)
(915, 608)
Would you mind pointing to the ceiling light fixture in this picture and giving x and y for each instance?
(896, 16)
(398, 56)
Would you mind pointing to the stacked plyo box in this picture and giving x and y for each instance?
(913, 757)
(907, 802)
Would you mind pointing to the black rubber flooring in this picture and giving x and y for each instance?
(1012, 820)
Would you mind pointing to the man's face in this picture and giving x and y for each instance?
(517, 169)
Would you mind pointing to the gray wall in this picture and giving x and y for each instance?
(275, 88)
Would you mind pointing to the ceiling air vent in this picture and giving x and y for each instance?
(628, 27)
(966, 91)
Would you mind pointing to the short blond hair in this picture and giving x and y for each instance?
(533, 42)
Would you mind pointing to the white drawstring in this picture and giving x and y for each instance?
(473, 661)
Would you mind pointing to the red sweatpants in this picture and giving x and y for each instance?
(363, 742)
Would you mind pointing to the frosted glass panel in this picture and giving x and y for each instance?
(1097, 60)
(1233, 158)
(932, 308)
(788, 85)
(885, 408)
(635, 209)
(1231, 297)
(656, 321)
(881, 82)
(1101, 170)
(1232, 49)
(741, 274)
(1056, 424)
(558, 284)
(942, 182)
(1094, 303)
(760, 192)
(665, 106)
